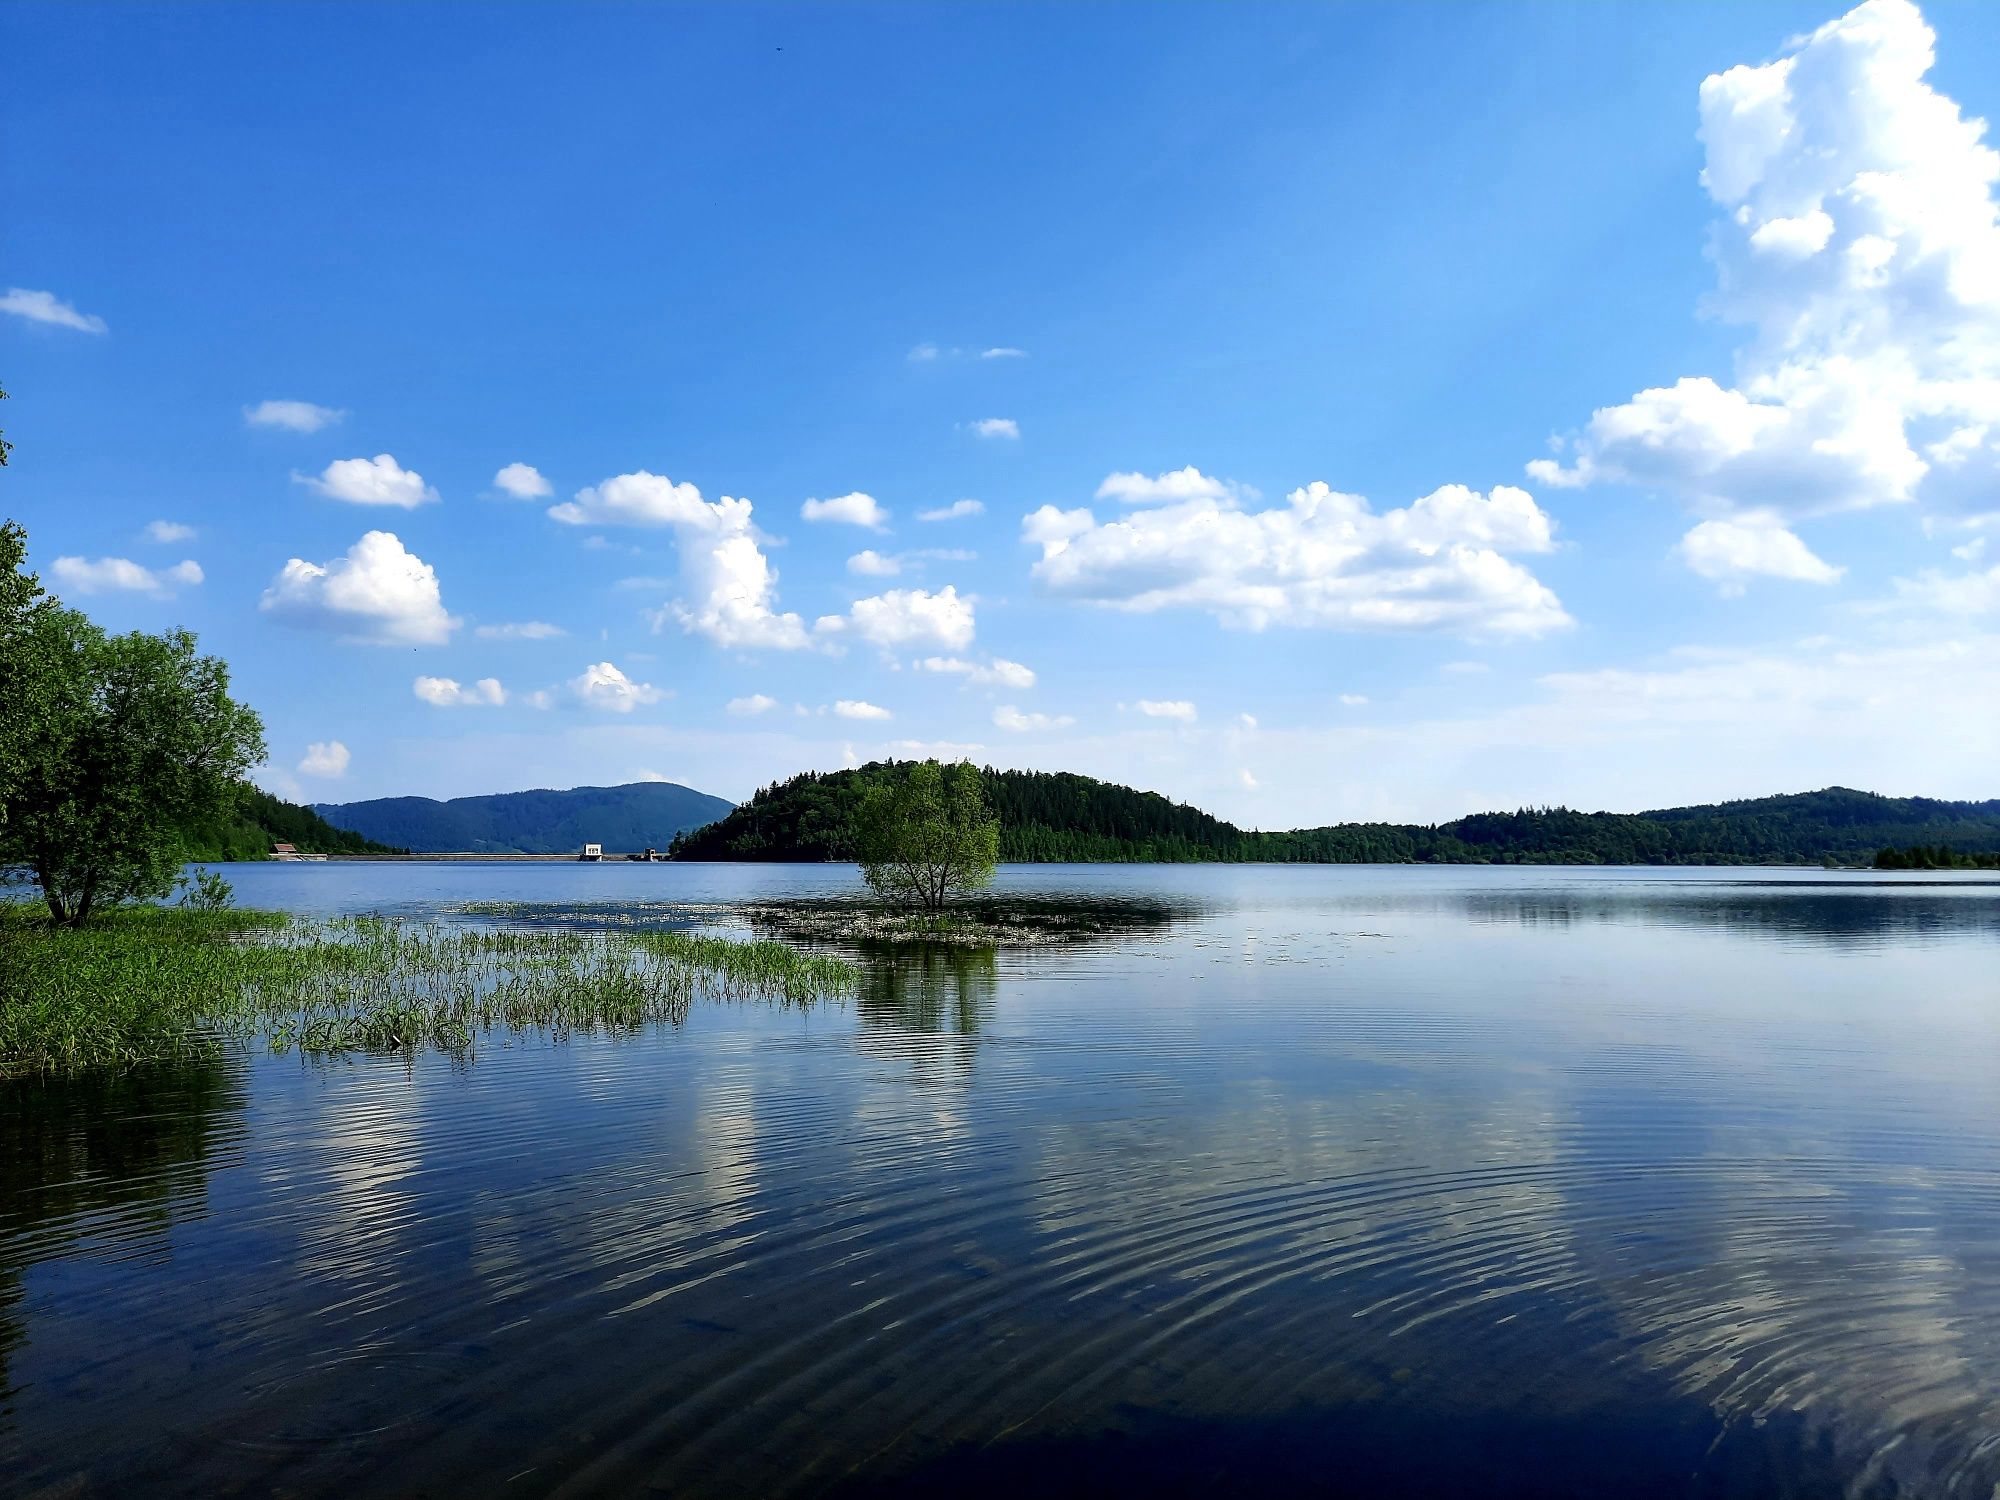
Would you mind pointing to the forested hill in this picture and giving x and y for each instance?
(1057, 816)
(626, 819)
(263, 820)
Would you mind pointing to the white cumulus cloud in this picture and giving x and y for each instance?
(603, 686)
(997, 427)
(872, 564)
(522, 482)
(1171, 708)
(1173, 488)
(751, 706)
(327, 759)
(854, 509)
(168, 532)
(377, 593)
(907, 617)
(1859, 244)
(1322, 559)
(46, 307)
(371, 481)
(1755, 545)
(729, 588)
(293, 416)
(445, 692)
(118, 575)
(854, 708)
(1003, 352)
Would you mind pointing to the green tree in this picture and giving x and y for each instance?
(923, 834)
(21, 603)
(115, 748)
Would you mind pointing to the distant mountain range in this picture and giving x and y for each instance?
(1051, 816)
(624, 819)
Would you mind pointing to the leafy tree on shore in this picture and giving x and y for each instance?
(924, 834)
(115, 748)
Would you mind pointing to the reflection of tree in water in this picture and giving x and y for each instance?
(138, 1143)
(923, 1004)
(927, 987)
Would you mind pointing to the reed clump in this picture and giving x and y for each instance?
(145, 984)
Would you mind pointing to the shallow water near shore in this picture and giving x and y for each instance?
(1351, 1179)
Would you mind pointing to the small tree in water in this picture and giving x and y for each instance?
(924, 836)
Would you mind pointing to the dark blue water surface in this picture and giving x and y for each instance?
(1347, 1180)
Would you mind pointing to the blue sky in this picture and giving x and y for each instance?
(301, 282)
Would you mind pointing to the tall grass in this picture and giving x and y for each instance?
(145, 984)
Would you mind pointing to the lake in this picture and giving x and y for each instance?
(1350, 1180)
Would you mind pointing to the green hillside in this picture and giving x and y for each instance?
(263, 820)
(639, 815)
(1048, 817)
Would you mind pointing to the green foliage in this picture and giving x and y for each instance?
(118, 746)
(1935, 857)
(923, 834)
(22, 604)
(205, 890)
(641, 815)
(146, 983)
(261, 820)
(1058, 817)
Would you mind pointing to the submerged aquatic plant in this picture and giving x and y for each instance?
(150, 983)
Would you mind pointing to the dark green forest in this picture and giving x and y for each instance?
(1061, 817)
(263, 820)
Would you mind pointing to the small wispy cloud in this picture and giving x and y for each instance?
(957, 510)
(120, 575)
(520, 630)
(998, 672)
(168, 532)
(445, 692)
(997, 427)
(47, 307)
(293, 416)
(1011, 718)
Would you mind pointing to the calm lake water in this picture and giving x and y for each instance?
(1351, 1180)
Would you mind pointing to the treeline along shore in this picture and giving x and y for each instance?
(1061, 817)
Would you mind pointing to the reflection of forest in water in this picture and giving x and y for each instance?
(71, 1149)
(1828, 917)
